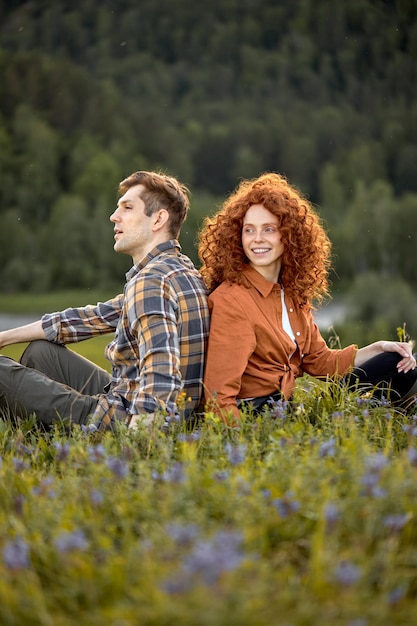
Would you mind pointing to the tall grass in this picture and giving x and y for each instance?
(298, 518)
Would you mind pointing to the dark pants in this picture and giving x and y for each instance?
(52, 382)
(379, 375)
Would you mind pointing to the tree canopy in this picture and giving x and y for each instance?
(322, 91)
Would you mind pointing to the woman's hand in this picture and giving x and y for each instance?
(405, 349)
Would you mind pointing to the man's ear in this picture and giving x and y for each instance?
(161, 219)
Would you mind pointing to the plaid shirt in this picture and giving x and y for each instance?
(161, 324)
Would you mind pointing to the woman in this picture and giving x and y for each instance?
(265, 259)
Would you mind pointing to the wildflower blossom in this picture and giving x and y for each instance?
(44, 487)
(62, 451)
(396, 522)
(189, 437)
(286, 506)
(174, 474)
(235, 454)
(16, 554)
(19, 465)
(69, 541)
(88, 429)
(331, 515)
(412, 456)
(347, 574)
(328, 448)
(278, 408)
(96, 453)
(396, 594)
(96, 497)
(181, 534)
(119, 467)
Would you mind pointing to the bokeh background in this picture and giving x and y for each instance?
(322, 91)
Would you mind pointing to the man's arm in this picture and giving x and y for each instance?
(22, 334)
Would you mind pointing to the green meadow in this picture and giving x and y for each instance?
(305, 515)
(298, 518)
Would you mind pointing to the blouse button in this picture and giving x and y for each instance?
(298, 333)
(291, 310)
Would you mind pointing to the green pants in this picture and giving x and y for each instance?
(52, 382)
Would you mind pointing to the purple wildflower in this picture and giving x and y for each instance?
(119, 467)
(62, 451)
(210, 558)
(44, 487)
(412, 456)
(328, 448)
(236, 454)
(19, 465)
(88, 429)
(96, 453)
(189, 437)
(331, 515)
(69, 541)
(410, 429)
(181, 534)
(278, 408)
(396, 594)
(16, 554)
(396, 522)
(96, 497)
(347, 574)
(286, 506)
(377, 462)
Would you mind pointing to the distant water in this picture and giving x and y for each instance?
(10, 320)
(328, 315)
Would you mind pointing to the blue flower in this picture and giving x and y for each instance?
(286, 506)
(96, 453)
(278, 408)
(328, 448)
(412, 456)
(69, 541)
(207, 561)
(19, 465)
(16, 554)
(347, 574)
(96, 497)
(181, 534)
(88, 429)
(235, 454)
(62, 451)
(119, 467)
(396, 522)
(331, 515)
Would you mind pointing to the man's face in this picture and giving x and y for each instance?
(133, 230)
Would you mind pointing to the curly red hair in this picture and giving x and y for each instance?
(306, 259)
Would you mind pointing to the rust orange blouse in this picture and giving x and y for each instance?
(250, 355)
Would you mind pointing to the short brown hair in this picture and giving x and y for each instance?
(161, 192)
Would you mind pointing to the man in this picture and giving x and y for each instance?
(160, 322)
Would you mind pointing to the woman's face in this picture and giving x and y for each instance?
(261, 241)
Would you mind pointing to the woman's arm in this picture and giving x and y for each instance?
(404, 349)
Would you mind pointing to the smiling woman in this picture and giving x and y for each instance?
(261, 242)
(265, 259)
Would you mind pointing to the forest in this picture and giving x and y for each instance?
(322, 91)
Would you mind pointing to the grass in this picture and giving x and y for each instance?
(92, 349)
(298, 518)
(295, 519)
(22, 303)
